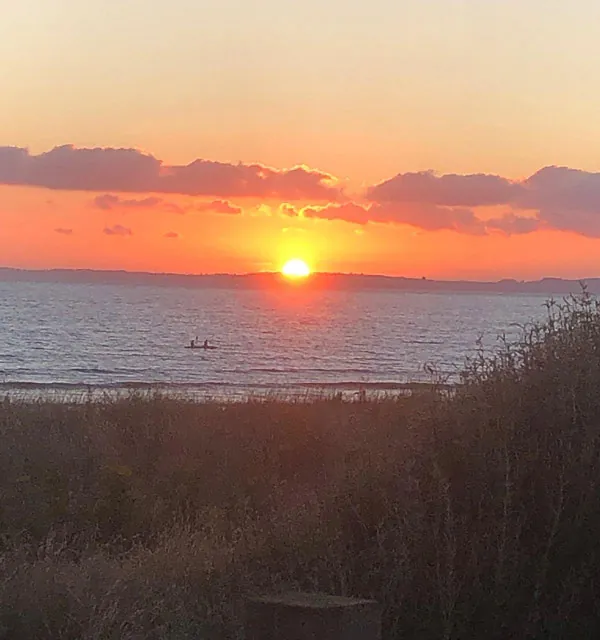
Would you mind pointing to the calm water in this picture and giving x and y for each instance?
(105, 335)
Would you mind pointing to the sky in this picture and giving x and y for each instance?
(437, 138)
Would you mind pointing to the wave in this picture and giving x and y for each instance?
(296, 370)
(11, 356)
(347, 384)
(98, 370)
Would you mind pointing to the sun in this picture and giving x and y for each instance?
(295, 268)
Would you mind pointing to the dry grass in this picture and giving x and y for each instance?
(475, 515)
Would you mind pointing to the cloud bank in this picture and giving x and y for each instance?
(424, 216)
(479, 190)
(130, 170)
(554, 198)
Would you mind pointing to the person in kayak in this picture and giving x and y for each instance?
(206, 344)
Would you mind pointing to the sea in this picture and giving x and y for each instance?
(69, 340)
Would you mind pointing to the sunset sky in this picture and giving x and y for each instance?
(438, 138)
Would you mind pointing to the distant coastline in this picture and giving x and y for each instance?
(341, 281)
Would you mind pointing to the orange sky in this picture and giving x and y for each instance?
(365, 97)
(45, 228)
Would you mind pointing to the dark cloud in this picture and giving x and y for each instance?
(79, 169)
(129, 170)
(218, 206)
(562, 188)
(585, 223)
(431, 217)
(512, 224)
(565, 199)
(556, 198)
(426, 217)
(348, 212)
(171, 234)
(109, 201)
(118, 230)
(423, 216)
(204, 177)
(63, 231)
(476, 190)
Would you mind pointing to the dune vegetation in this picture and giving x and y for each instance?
(467, 515)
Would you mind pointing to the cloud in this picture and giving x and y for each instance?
(109, 201)
(118, 230)
(423, 216)
(63, 231)
(553, 198)
(585, 223)
(430, 217)
(171, 234)
(130, 170)
(452, 190)
(286, 209)
(511, 224)
(72, 169)
(348, 212)
(565, 199)
(557, 198)
(426, 217)
(563, 188)
(171, 207)
(218, 206)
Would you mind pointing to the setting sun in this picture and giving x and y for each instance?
(295, 269)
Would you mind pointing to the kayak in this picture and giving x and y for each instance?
(199, 346)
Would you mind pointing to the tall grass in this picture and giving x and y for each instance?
(475, 514)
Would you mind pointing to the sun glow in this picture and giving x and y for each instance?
(295, 268)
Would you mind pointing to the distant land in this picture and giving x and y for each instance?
(342, 281)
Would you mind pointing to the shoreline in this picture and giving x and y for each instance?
(214, 392)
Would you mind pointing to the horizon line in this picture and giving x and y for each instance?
(278, 273)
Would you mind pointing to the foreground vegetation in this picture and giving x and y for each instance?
(468, 516)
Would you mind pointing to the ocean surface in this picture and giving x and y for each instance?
(61, 337)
